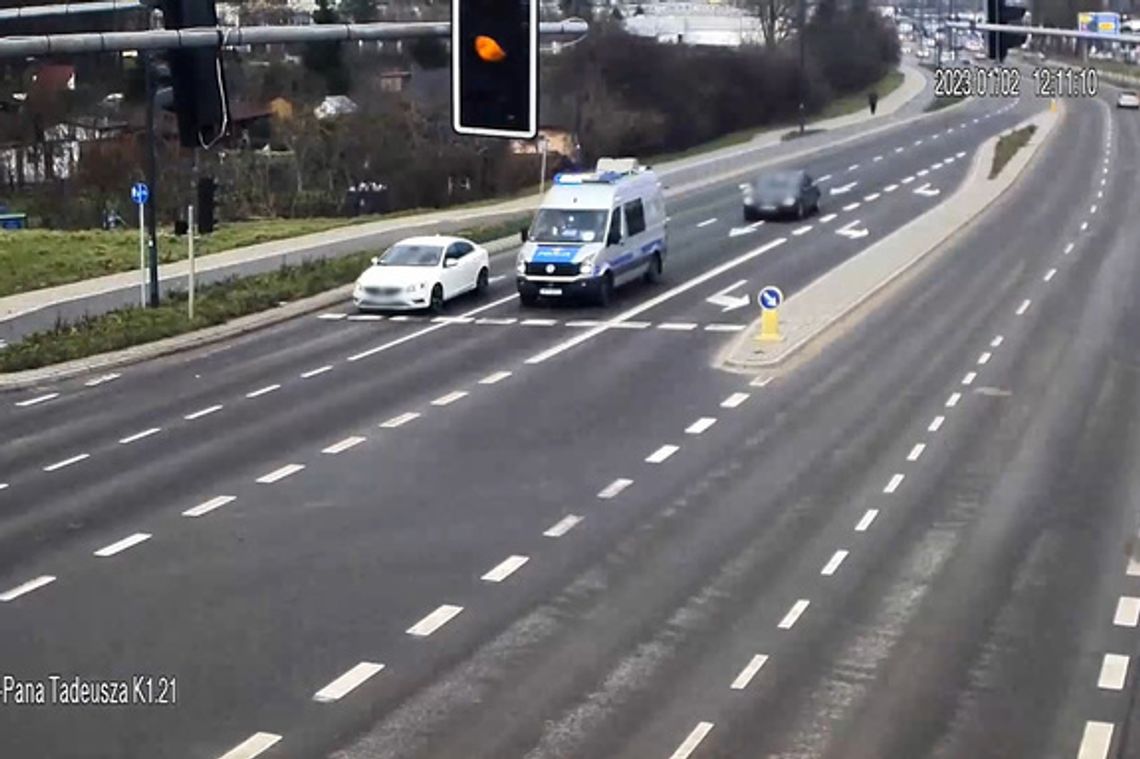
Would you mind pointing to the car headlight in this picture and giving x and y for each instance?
(415, 287)
(789, 200)
(586, 266)
(520, 265)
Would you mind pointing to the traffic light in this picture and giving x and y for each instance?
(999, 43)
(196, 75)
(494, 67)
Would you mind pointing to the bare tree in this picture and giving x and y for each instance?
(777, 18)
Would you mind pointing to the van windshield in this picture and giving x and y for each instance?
(557, 225)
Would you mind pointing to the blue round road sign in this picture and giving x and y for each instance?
(770, 297)
(139, 193)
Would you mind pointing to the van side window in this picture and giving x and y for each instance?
(634, 217)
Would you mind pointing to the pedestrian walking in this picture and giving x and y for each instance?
(873, 100)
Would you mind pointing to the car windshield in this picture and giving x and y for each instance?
(557, 225)
(412, 255)
(779, 182)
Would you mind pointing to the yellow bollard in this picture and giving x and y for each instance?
(1053, 104)
(769, 327)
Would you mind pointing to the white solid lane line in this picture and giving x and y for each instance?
(893, 485)
(121, 545)
(450, 398)
(280, 474)
(916, 452)
(734, 400)
(749, 672)
(1113, 672)
(315, 372)
(615, 487)
(434, 621)
(427, 330)
(25, 588)
(100, 380)
(37, 399)
(689, 745)
(1096, 740)
(678, 326)
(936, 423)
(997, 341)
(1049, 274)
(706, 222)
(346, 683)
(563, 526)
(662, 453)
(396, 421)
(262, 391)
(865, 522)
(140, 435)
(505, 568)
(984, 358)
(952, 401)
(344, 445)
(1127, 612)
(700, 425)
(491, 379)
(66, 462)
(969, 378)
(202, 412)
(794, 614)
(253, 746)
(1023, 307)
(656, 301)
(207, 506)
(833, 563)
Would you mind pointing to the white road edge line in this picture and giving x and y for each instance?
(254, 745)
(434, 621)
(121, 545)
(505, 568)
(346, 683)
(689, 745)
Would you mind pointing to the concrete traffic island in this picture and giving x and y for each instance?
(847, 293)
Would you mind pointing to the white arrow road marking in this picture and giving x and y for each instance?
(727, 302)
(738, 231)
(926, 190)
(848, 230)
(843, 189)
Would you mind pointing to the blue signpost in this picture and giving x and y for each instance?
(770, 298)
(140, 193)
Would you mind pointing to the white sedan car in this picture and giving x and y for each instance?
(1128, 99)
(422, 272)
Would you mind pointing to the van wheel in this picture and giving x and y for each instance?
(656, 268)
(437, 299)
(606, 291)
(527, 298)
(800, 210)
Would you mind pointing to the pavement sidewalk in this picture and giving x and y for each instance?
(23, 313)
(809, 314)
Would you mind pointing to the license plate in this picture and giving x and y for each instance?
(768, 208)
(550, 291)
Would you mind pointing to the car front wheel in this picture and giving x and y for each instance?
(437, 299)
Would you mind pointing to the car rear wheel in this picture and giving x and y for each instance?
(656, 268)
(483, 281)
(437, 299)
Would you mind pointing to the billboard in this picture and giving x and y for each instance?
(1099, 21)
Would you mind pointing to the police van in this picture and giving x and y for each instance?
(594, 232)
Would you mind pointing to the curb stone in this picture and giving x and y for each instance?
(810, 313)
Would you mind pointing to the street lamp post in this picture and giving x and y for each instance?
(803, 24)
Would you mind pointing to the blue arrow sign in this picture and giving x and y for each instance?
(140, 193)
(770, 297)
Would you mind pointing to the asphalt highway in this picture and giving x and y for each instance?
(560, 532)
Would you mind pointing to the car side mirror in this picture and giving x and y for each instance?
(522, 234)
(375, 260)
(450, 263)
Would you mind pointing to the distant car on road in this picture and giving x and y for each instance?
(780, 193)
(422, 273)
(1128, 99)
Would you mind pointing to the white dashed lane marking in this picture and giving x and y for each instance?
(279, 474)
(724, 327)
(614, 488)
(262, 391)
(706, 222)
(907, 180)
(689, 745)
(346, 683)
(833, 563)
(969, 378)
(203, 412)
(1096, 740)
(140, 435)
(997, 341)
(893, 485)
(1127, 612)
(449, 398)
(402, 419)
(662, 453)
(678, 326)
(100, 380)
(538, 322)
(936, 423)
(122, 545)
(829, 217)
(802, 230)
(1050, 274)
(952, 401)
(344, 445)
(916, 452)
(1023, 307)
(1084, 225)
(699, 426)
(318, 371)
(734, 400)
(66, 462)
(851, 206)
(37, 400)
(495, 320)
(1113, 672)
(505, 568)
(984, 358)
(749, 672)
(25, 588)
(794, 614)
(866, 520)
(434, 621)
(253, 746)
(563, 526)
(890, 188)
(332, 317)
(207, 506)
(872, 196)
(491, 379)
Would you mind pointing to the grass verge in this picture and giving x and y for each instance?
(942, 102)
(214, 304)
(1008, 145)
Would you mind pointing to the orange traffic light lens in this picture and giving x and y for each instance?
(488, 49)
